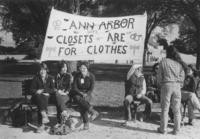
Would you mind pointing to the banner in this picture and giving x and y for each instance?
(74, 37)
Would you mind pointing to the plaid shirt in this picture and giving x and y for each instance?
(170, 71)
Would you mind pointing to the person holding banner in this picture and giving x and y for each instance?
(135, 89)
(41, 88)
(83, 86)
(63, 83)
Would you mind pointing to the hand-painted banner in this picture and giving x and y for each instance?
(74, 37)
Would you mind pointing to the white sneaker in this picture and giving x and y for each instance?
(45, 120)
(40, 129)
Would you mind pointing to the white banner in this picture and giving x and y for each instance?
(74, 37)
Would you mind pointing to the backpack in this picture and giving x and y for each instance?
(20, 113)
(63, 128)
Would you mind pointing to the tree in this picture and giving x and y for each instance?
(191, 11)
(159, 12)
(28, 19)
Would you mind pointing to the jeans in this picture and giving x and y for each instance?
(193, 102)
(144, 100)
(84, 107)
(42, 102)
(170, 91)
(61, 101)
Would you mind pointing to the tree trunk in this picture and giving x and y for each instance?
(145, 48)
(75, 10)
(198, 56)
(198, 47)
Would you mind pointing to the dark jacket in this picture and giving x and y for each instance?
(63, 82)
(85, 85)
(189, 84)
(152, 83)
(37, 83)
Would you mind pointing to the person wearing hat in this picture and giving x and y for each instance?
(41, 88)
(83, 86)
(135, 89)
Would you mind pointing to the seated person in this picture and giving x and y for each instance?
(83, 86)
(136, 90)
(153, 90)
(63, 82)
(41, 88)
(188, 94)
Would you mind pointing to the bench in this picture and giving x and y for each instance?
(72, 108)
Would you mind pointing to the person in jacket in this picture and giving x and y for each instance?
(83, 87)
(41, 88)
(135, 87)
(188, 94)
(63, 81)
(153, 90)
(171, 75)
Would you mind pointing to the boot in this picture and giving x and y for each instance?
(40, 129)
(86, 126)
(94, 114)
(190, 122)
(45, 118)
(128, 114)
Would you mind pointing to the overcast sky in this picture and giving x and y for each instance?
(7, 39)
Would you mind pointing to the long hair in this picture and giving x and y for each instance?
(61, 65)
(43, 66)
(155, 66)
(173, 54)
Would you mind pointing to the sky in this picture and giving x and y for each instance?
(7, 39)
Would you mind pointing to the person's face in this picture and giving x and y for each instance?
(43, 72)
(187, 81)
(83, 70)
(190, 71)
(138, 71)
(156, 69)
(64, 69)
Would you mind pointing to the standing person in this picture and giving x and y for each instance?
(63, 82)
(41, 88)
(171, 75)
(83, 86)
(135, 87)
